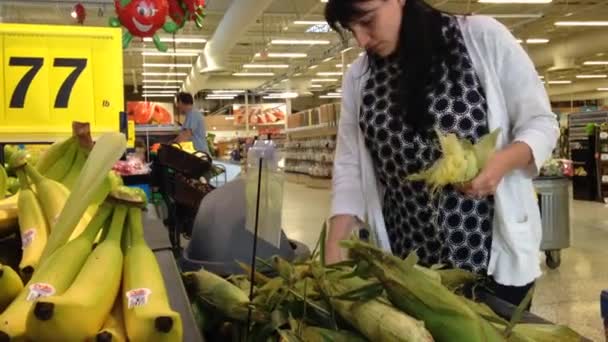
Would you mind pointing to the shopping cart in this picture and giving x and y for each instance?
(183, 181)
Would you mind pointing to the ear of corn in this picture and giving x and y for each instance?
(315, 334)
(104, 154)
(413, 292)
(376, 320)
(461, 160)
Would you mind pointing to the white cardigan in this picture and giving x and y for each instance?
(517, 103)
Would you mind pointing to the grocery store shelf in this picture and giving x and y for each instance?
(157, 129)
(311, 160)
(309, 181)
(312, 131)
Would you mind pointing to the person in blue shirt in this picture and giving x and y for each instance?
(193, 128)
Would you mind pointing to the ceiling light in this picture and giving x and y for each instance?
(560, 82)
(158, 95)
(313, 67)
(298, 74)
(329, 74)
(227, 91)
(515, 16)
(330, 97)
(177, 54)
(340, 65)
(220, 98)
(541, 77)
(327, 59)
(310, 22)
(515, 1)
(334, 94)
(324, 80)
(316, 86)
(265, 66)
(591, 76)
(178, 40)
(324, 0)
(537, 41)
(284, 55)
(347, 49)
(166, 65)
(164, 74)
(596, 63)
(163, 91)
(162, 81)
(222, 95)
(581, 23)
(159, 87)
(520, 41)
(299, 42)
(253, 74)
(287, 95)
(602, 89)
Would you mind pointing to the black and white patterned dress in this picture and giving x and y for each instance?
(449, 227)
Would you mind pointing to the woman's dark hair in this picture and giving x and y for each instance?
(185, 98)
(421, 45)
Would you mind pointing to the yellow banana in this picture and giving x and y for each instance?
(10, 286)
(93, 292)
(148, 315)
(53, 154)
(32, 225)
(113, 329)
(63, 165)
(53, 276)
(52, 195)
(70, 179)
(107, 150)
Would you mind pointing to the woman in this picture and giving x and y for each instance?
(427, 70)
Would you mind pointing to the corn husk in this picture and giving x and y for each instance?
(315, 334)
(408, 289)
(461, 160)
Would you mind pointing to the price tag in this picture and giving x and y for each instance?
(53, 75)
(137, 297)
(39, 290)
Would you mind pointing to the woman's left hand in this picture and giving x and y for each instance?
(487, 180)
(515, 156)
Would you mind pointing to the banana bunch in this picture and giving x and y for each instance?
(70, 299)
(62, 163)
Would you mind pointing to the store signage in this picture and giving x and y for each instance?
(53, 75)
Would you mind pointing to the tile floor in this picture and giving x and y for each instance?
(568, 295)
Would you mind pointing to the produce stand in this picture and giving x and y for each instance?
(157, 238)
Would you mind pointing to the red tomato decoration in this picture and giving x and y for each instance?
(177, 12)
(161, 116)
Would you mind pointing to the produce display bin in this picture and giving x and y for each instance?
(158, 239)
(554, 201)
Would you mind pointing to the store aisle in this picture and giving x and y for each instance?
(568, 295)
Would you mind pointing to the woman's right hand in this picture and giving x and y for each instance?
(340, 228)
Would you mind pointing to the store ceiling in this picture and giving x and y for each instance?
(561, 59)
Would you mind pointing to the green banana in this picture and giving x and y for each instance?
(32, 225)
(148, 315)
(52, 195)
(53, 154)
(63, 165)
(3, 182)
(10, 286)
(53, 276)
(70, 179)
(93, 292)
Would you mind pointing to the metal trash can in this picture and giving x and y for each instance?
(554, 201)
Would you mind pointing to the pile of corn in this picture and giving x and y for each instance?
(460, 162)
(372, 297)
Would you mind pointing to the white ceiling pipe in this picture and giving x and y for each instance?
(237, 20)
(578, 45)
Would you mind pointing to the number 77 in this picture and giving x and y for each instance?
(63, 95)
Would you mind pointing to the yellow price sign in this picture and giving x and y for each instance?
(53, 75)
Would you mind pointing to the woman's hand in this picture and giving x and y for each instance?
(515, 156)
(340, 227)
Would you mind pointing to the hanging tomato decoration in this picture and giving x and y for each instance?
(142, 18)
(177, 12)
(79, 13)
(195, 10)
